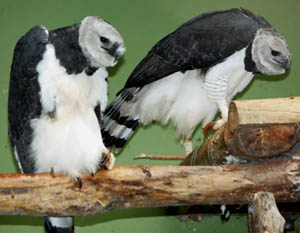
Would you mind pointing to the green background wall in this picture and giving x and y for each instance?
(142, 23)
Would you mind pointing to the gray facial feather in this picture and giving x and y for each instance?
(95, 37)
(270, 52)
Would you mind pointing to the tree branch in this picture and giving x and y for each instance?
(264, 216)
(256, 129)
(147, 186)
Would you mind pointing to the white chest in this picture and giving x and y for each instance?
(70, 142)
(62, 91)
(225, 79)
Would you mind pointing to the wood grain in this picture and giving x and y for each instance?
(147, 186)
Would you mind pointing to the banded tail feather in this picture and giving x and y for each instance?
(120, 120)
(59, 224)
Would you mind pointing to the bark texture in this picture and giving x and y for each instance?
(256, 129)
(263, 214)
(148, 186)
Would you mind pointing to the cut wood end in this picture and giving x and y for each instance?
(273, 110)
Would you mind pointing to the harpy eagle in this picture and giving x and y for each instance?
(195, 71)
(57, 93)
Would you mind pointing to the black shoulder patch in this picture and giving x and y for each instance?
(67, 49)
(249, 63)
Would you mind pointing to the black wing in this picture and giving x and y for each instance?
(198, 44)
(24, 99)
(98, 113)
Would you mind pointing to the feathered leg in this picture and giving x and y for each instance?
(188, 145)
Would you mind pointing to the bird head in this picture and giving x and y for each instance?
(270, 52)
(100, 42)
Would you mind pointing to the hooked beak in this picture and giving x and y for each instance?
(113, 51)
(284, 61)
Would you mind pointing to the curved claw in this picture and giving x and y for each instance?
(79, 182)
(213, 125)
(108, 160)
(207, 128)
(52, 172)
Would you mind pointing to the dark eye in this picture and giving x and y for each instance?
(103, 39)
(275, 53)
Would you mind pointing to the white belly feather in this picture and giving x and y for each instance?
(70, 142)
(179, 98)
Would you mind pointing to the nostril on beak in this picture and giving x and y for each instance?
(286, 63)
(114, 48)
(283, 61)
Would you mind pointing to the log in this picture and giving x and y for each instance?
(147, 186)
(263, 140)
(247, 142)
(273, 110)
(255, 129)
(212, 152)
(263, 215)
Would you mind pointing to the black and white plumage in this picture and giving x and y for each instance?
(195, 71)
(58, 89)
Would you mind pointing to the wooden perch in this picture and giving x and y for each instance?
(147, 186)
(263, 216)
(274, 110)
(255, 129)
